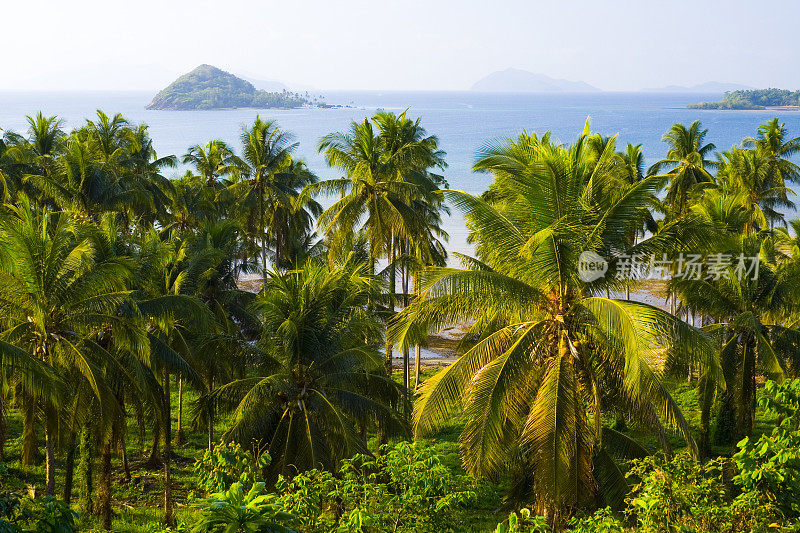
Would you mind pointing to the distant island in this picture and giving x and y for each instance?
(208, 87)
(753, 99)
(707, 87)
(513, 80)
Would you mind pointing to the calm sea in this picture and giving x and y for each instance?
(463, 121)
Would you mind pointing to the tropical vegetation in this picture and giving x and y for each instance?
(220, 341)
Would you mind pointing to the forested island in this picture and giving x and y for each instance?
(753, 99)
(207, 87)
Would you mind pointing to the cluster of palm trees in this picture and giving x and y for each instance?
(118, 284)
(553, 363)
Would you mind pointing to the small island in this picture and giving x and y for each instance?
(207, 87)
(753, 99)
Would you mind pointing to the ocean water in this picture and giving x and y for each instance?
(463, 121)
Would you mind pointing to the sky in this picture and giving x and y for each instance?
(398, 45)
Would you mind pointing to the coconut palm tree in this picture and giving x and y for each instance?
(748, 298)
(266, 150)
(213, 161)
(56, 299)
(748, 175)
(321, 375)
(687, 166)
(772, 144)
(545, 343)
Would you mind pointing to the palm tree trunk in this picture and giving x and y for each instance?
(104, 485)
(169, 511)
(29, 440)
(748, 398)
(50, 464)
(391, 303)
(417, 350)
(123, 451)
(154, 460)
(85, 472)
(69, 467)
(263, 228)
(706, 401)
(211, 416)
(417, 365)
(3, 429)
(180, 437)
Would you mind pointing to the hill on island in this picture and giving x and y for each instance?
(513, 80)
(208, 87)
(754, 99)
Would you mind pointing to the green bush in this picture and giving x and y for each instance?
(235, 511)
(523, 523)
(405, 488)
(226, 464)
(769, 468)
(41, 515)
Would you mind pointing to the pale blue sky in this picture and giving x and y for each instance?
(394, 44)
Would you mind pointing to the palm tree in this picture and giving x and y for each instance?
(747, 174)
(320, 375)
(267, 150)
(748, 299)
(56, 298)
(213, 161)
(385, 173)
(687, 166)
(772, 144)
(545, 344)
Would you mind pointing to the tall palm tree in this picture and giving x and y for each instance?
(772, 144)
(267, 151)
(748, 299)
(546, 344)
(321, 375)
(687, 166)
(386, 171)
(213, 161)
(748, 175)
(56, 298)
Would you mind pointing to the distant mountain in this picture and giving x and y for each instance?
(707, 87)
(513, 80)
(208, 87)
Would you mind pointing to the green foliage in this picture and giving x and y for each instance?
(753, 99)
(603, 520)
(682, 493)
(404, 488)
(235, 511)
(42, 515)
(523, 523)
(678, 492)
(229, 463)
(769, 468)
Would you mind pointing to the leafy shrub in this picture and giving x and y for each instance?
(523, 523)
(405, 488)
(603, 520)
(678, 492)
(42, 515)
(764, 493)
(226, 464)
(235, 511)
(769, 468)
